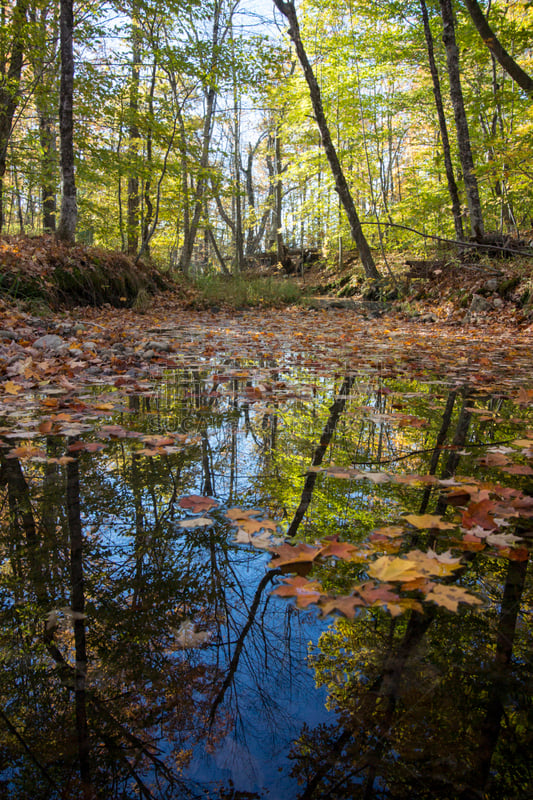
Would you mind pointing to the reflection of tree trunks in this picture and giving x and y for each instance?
(335, 412)
(78, 609)
(441, 438)
(208, 487)
(234, 663)
(138, 581)
(490, 728)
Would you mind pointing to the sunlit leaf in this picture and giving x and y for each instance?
(450, 596)
(430, 521)
(390, 568)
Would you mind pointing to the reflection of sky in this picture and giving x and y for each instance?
(273, 694)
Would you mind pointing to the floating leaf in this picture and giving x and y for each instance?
(430, 521)
(477, 514)
(294, 554)
(197, 503)
(390, 568)
(451, 596)
(195, 522)
(305, 592)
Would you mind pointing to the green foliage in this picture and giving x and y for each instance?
(239, 291)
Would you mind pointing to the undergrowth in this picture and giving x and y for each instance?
(241, 291)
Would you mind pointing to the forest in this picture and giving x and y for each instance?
(197, 141)
(266, 429)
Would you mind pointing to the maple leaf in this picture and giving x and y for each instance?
(477, 514)
(432, 564)
(238, 514)
(195, 522)
(197, 503)
(518, 469)
(256, 525)
(343, 604)
(343, 550)
(305, 592)
(294, 554)
(376, 593)
(12, 388)
(451, 596)
(388, 532)
(390, 568)
(428, 521)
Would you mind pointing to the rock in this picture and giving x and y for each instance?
(497, 302)
(9, 335)
(491, 286)
(148, 354)
(163, 347)
(479, 304)
(50, 341)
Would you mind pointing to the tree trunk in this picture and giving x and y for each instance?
(461, 124)
(132, 225)
(289, 11)
(69, 209)
(9, 89)
(496, 48)
(448, 165)
(188, 245)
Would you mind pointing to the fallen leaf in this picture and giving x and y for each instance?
(305, 592)
(451, 596)
(390, 568)
(197, 503)
(430, 521)
(195, 522)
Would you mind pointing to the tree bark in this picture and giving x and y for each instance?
(69, 208)
(448, 165)
(341, 186)
(461, 123)
(496, 48)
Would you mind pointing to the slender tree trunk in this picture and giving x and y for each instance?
(278, 195)
(132, 225)
(149, 214)
(47, 139)
(211, 96)
(461, 123)
(289, 11)
(448, 165)
(43, 57)
(496, 48)
(9, 90)
(69, 208)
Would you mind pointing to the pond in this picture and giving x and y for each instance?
(269, 576)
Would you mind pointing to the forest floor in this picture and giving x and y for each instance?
(477, 319)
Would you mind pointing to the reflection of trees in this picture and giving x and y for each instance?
(121, 704)
(430, 705)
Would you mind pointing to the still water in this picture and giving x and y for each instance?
(144, 653)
